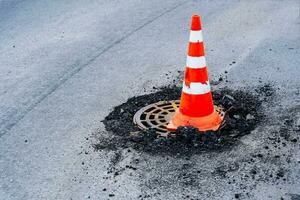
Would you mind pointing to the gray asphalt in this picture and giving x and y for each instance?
(66, 64)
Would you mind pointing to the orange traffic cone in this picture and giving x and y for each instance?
(196, 104)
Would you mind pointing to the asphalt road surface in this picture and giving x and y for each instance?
(65, 64)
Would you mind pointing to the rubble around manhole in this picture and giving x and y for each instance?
(243, 115)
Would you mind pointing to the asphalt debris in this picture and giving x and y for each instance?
(243, 114)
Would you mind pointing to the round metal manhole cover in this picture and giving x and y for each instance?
(156, 116)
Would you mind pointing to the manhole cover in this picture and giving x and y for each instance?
(156, 116)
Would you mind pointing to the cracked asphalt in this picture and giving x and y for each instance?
(66, 64)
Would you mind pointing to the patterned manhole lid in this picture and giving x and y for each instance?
(156, 116)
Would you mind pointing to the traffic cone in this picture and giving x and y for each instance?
(196, 104)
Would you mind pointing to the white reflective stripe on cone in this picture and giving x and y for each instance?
(196, 88)
(195, 62)
(196, 36)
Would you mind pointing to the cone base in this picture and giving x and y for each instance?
(210, 122)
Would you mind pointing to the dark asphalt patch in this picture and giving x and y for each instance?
(243, 114)
(242, 168)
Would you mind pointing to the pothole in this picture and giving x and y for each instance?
(243, 114)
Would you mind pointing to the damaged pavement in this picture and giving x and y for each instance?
(191, 159)
(73, 75)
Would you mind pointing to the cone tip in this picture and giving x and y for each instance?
(195, 16)
(196, 23)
